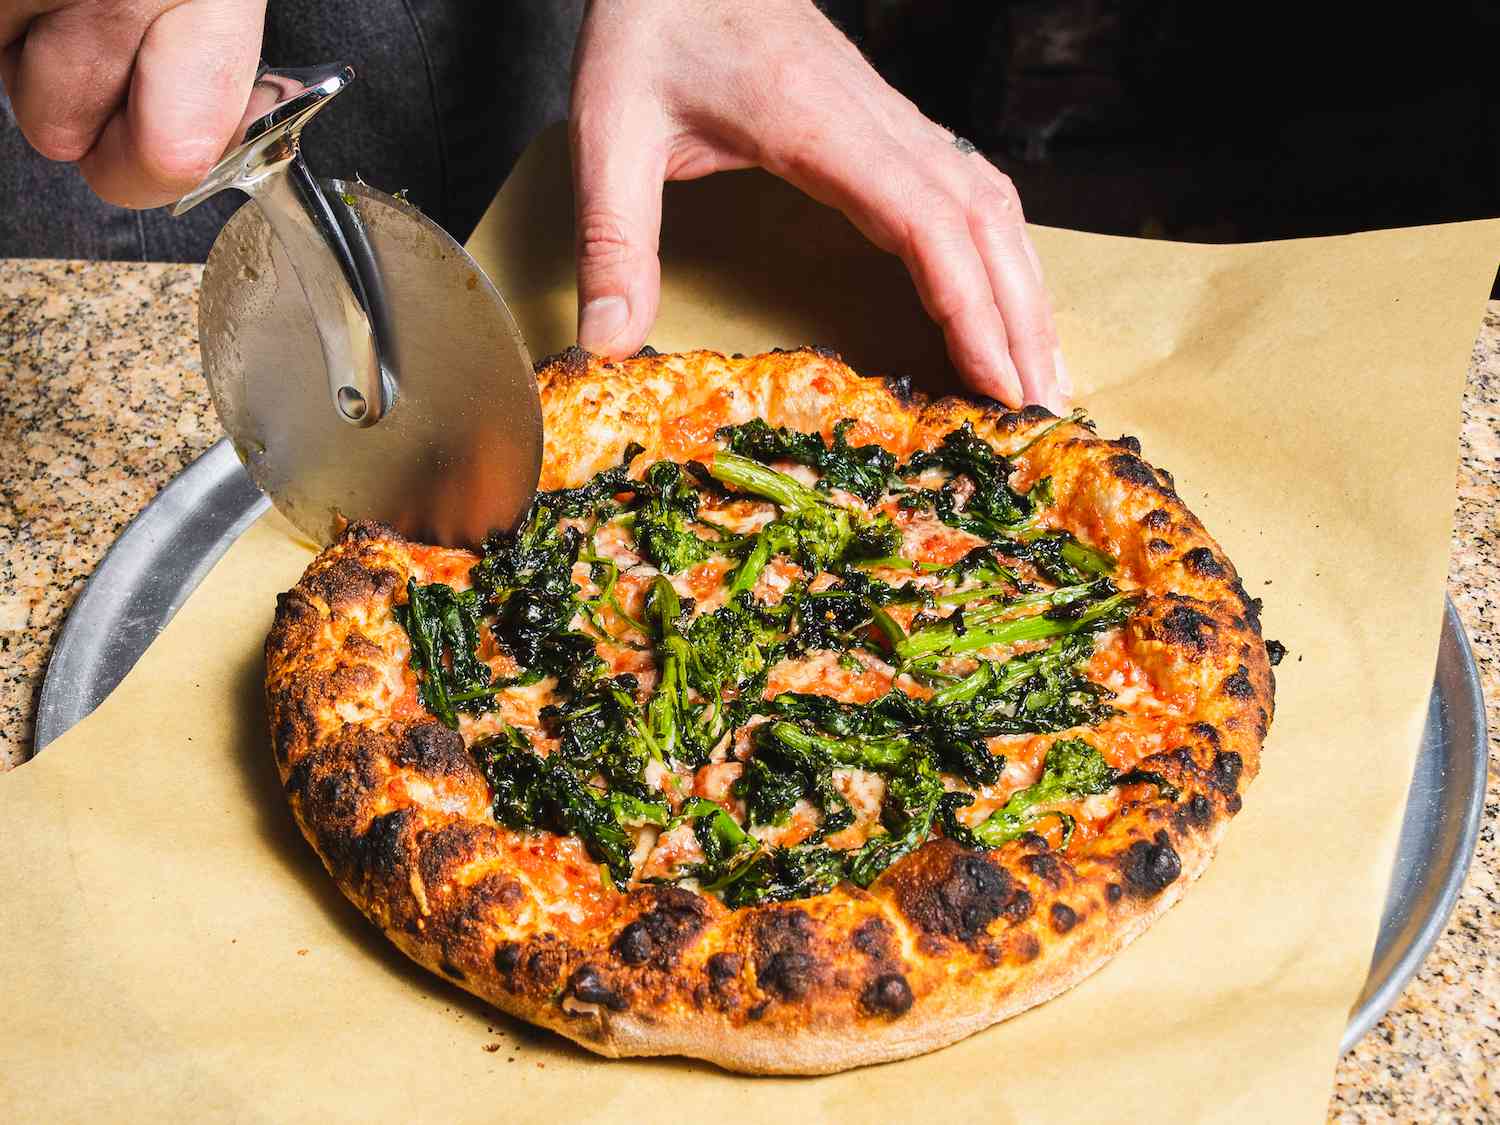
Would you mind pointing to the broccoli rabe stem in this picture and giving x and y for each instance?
(1072, 769)
(752, 476)
(981, 630)
(868, 753)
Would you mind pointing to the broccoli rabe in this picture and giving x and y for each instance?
(1072, 769)
(443, 624)
(864, 470)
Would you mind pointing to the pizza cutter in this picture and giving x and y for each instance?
(361, 362)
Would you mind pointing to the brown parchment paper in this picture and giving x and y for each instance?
(172, 948)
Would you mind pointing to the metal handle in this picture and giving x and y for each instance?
(267, 165)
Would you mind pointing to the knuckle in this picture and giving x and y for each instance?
(55, 140)
(178, 164)
(996, 203)
(603, 238)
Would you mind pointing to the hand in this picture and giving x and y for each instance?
(145, 96)
(677, 89)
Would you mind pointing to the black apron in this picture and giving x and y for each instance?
(449, 93)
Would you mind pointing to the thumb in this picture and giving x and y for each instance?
(619, 163)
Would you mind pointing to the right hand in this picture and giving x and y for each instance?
(143, 96)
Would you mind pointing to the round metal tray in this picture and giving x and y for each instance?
(166, 551)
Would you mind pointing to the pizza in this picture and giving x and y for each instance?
(803, 722)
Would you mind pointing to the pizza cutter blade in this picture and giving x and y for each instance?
(361, 362)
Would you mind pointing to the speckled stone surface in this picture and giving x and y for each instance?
(102, 402)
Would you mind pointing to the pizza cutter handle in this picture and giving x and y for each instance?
(267, 165)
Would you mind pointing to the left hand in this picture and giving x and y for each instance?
(677, 89)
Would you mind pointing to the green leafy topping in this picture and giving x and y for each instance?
(606, 735)
(864, 470)
(443, 624)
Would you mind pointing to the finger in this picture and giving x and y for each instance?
(72, 73)
(619, 163)
(187, 96)
(951, 280)
(16, 16)
(996, 224)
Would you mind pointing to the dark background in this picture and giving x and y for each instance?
(1210, 122)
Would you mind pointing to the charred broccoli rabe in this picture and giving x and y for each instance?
(712, 668)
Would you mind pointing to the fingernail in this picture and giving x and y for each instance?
(1064, 380)
(601, 320)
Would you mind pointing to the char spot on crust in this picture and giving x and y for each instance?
(1201, 561)
(1131, 469)
(646, 352)
(381, 852)
(784, 962)
(1237, 684)
(507, 957)
(900, 387)
(1227, 767)
(1026, 946)
(1113, 891)
(1019, 908)
(888, 994)
(1157, 519)
(451, 969)
(588, 984)
(1208, 732)
(723, 970)
(1200, 810)
(874, 938)
(434, 750)
(1149, 868)
(1064, 918)
(1036, 412)
(1045, 866)
(572, 360)
(1158, 546)
(952, 891)
(659, 935)
(349, 583)
(1186, 627)
(1129, 443)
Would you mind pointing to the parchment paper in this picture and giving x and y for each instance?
(174, 949)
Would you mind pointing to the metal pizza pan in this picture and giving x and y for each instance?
(166, 551)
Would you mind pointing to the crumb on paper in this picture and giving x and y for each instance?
(301, 953)
(492, 1047)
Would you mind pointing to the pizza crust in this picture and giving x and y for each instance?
(945, 943)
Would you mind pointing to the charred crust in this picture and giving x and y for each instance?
(874, 938)
(434, 751)
(1200, 810)
(1157, 519)
(571, 361)
(382, 851)
(785, 965)
(1226, 771)
(1158, 547)
(1128, 443)
(1035, 412)
(538, 965)
(1064, 918)
(1237, 684)
(1150, 868)
(660, 934)
(1026, 947)
(1113, 892)
(1020, 906)
(634, 945)
(1232, 805)
(823, 350)
(451, 969)
(646, 352)
(1208, 732)
(724, 969)
(887, 995)
(588, 985)
(1202, 562)
(350, 583)
(1132, 470)
(1046, 867)
(507, 957)
(952, 891)
(900, 388)
(1186, 627)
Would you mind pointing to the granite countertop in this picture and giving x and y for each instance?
(102, 403)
